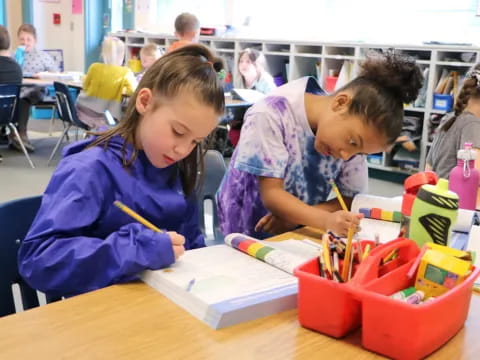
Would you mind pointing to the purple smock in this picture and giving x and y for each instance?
(79, 241)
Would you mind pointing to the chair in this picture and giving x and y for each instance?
(9, 95)
(15, 220)
(67, 112)
(49, 101)
(214, 170)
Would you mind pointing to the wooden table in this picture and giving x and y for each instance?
(133, 321)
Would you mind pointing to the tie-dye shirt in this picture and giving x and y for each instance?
(277, 141)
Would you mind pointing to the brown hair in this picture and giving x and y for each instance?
(28, 28)
(192, 68)
(470, 89)
(387, 81)
(4, 38)
(256, 57)
(186, 22)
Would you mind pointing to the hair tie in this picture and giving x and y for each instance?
(222, 74)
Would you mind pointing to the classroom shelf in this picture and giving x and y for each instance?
(295, 59)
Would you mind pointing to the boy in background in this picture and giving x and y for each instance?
(148, 55)
(187, 29)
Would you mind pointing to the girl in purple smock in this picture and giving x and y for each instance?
(298, 137)
(79, 241)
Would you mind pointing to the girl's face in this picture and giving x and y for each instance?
(26, 39)
(343, 135)
(147, 60)
(246, 67)
(170, 131)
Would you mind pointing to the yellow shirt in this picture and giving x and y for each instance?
(104, 86)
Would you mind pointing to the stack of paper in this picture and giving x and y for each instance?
(223, 286)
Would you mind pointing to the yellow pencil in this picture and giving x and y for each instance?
(339, 195)
(134, 215)
(348, 252)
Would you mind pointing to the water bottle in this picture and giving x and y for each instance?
(411, 186)
(434, 212)
(464, 178)
(20, 55)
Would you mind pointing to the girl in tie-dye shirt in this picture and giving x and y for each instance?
(298, 138)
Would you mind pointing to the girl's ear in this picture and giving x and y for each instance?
(341, 101)
(143, 99)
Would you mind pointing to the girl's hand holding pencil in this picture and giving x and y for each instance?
(340, 221)
(177, 240)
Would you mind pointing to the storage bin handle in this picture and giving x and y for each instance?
(369, 268)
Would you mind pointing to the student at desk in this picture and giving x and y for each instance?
(104, 85)
(457, 128)
(10, 71)
(297, 138)
(79, 240)
(252, 74)
(32, 61)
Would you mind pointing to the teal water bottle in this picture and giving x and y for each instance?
(20, 55)
(434, 212)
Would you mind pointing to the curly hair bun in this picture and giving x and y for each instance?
(395, 73)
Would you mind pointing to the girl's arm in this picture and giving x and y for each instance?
(65, 252)
(286, 206)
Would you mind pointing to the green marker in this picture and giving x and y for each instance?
(403, 294)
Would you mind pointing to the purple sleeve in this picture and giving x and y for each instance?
(190, 229)
(75, 245)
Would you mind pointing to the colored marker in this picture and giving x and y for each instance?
(403, 294)
(416, 297)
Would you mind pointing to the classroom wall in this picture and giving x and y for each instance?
(69, 35)
(14, 20)
(399, 22)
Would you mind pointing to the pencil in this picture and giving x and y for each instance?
(339, 195)
(134, 215)
(348, 253)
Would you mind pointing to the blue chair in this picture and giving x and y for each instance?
(67, 112)
(15, 220)
(9, 95)
(214, 170)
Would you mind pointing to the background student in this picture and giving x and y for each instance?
(251, 74)
(297, 138)
(105, 84)
(457, 128)
(33, 61)
(10, 71)
(187, 30)
(79, 240)
(148, 55)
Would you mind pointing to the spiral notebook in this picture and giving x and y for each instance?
(241, 280)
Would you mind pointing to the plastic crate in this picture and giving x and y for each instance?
(330, 307)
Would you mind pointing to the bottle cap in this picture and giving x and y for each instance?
(467, 153)
(440, 189)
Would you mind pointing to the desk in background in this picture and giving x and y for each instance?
(133, 321)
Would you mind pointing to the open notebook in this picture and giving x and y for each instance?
(222, 285)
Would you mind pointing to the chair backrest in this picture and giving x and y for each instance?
(16, 217)
(65, 105)
(214, 170)
(8, 102)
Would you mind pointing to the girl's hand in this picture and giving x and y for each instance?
(340, 221)
(273, 225)
(177, 243)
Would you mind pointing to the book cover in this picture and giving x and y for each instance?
(223, 285)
